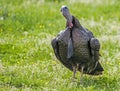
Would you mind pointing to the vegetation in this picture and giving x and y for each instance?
(27, 61)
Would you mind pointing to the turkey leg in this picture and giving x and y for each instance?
(74, 72)
(81, 76)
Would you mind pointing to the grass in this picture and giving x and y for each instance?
(27, 61)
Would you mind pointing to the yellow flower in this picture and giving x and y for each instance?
(56, 1)
(1, 30)
(54, 62)
(119, 63)
(22, 28)
(9, 14)
(50, 24)
(107, 62)
(41, 26)
(18, 62)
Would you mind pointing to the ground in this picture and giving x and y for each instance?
(27, 61)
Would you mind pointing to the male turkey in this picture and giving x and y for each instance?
(76, 48)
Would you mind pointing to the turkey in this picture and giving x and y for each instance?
(76, 47)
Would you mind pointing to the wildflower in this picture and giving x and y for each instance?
(50, 24)
(1, 30)
(18, 62)
(107, 62)
(22, 28)
(9, 14)
(42, 26)
(119, 63)
(56, 1)
(54, 62)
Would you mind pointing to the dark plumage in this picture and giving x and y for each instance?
(76, 48)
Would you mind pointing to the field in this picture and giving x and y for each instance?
(27, 61)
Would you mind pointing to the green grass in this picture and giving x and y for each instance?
(27, 61)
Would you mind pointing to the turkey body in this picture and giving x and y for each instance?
(84, 55)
